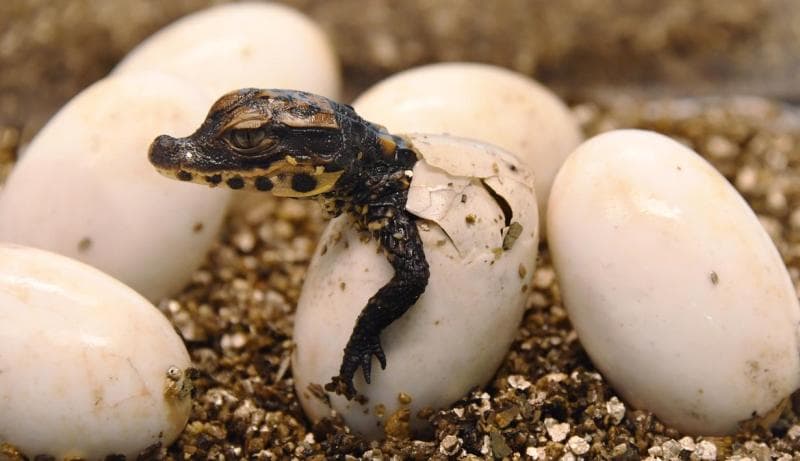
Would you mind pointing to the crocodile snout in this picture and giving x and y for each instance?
(165, 153)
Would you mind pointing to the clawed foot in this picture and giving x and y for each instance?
(357, 353)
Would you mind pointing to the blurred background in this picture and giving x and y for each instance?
(51, 49)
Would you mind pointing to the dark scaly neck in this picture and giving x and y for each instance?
(378, 169)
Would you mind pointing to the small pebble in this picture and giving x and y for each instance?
(776, 202)
(244, 241)
(671, 449)
(720, 147)
(535, 453)
(759, 451)
(578, 445)
(518, 382)
(543, 277)
(615, 409)
(687, 444)
(450, 445)
(557, 431)
(619, 450)
(747, 179)
(705, 450)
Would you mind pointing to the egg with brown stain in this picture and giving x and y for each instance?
(88, 368)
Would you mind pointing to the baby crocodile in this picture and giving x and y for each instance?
(298, 144)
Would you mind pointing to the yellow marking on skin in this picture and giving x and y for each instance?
(388, 146)
(375, 225)
(282, 186)
(325, 182)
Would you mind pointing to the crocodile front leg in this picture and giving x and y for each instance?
(401, 242)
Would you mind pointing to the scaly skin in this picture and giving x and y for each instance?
(297, 144)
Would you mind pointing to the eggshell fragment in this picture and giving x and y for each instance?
(676, 291)
(240, 45)
(85, 189)
(456, 335)
(482, 102)
(88, 368)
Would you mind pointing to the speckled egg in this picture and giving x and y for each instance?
(677, 293)
(88, 368)
(85, 189)
(481, 261)
(240, 45)
(481, 102)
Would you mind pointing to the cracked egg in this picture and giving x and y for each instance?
(476, 211)
(88, 367)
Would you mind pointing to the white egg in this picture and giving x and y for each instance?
(240, 45)
(456, 335)
(677, 293)
(481, 102)
(88, 367)
(85, 189)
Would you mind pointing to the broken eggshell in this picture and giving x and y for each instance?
(676, 291)
(482, 102)
(454, 338)
(88, 368)
(84, 187)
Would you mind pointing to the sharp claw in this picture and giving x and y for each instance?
(366, 367)
(360, 357)
(381, 357)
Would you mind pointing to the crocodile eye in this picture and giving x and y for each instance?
(249, 140)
